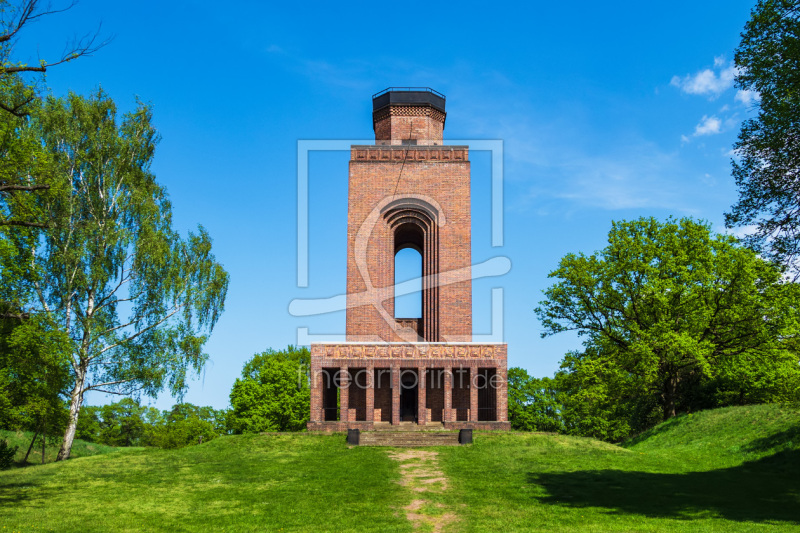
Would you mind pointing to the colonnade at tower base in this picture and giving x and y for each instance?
(436, 385)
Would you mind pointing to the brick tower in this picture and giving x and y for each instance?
(408, 190)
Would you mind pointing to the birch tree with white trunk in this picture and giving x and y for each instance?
(137, 300)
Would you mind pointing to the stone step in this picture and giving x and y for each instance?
(408, 438)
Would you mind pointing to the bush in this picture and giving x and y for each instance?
(272, 394)
(7, 455)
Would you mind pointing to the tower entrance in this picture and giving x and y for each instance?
(409, 393)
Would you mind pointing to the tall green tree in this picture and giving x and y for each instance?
(669, 311)
(273, 393)
(767, 172)
(136, 300)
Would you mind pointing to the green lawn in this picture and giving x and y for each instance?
(723, 470)
(300, 482)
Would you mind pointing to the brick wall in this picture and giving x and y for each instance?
(438, 175)
(397, 123)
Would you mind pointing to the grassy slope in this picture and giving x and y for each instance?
(723, 470)
(732, 469)
(725, 436)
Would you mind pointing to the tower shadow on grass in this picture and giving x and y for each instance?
(766, 490)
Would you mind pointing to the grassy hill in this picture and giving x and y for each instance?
(729, 434)
(734, 469)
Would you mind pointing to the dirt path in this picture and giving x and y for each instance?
(420, 473)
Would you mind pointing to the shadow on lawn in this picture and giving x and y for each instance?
(757, 491)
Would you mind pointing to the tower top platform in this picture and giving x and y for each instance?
(408, 96)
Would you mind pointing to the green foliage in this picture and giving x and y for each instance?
(109, 271)
(187, 424)
(272, 394)
(768, 170)
(6, 454)
(127, 423)
(675, 319)
(34, 373)
(533, 403)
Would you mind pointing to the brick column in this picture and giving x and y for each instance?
(395, 394)
(448, 393)
(422, 411)
(502, 394)
(370, 392)
(317, 383)
(473, 395)
(344, 389)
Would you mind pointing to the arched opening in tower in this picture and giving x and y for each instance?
(408, 284)
(413, 225)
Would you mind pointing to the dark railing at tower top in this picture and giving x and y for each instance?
(409, 89)
(410, 96)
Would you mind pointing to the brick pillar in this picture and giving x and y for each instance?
(422, 411)
(395, 395)
(317, 383)
(502, 394)
(448, 393)
(473, 395)
(370, 392)
(344, 389)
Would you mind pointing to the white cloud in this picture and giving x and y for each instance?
(685, 139)
(747, 97)
(707, 81)
(638, 176)
(708, 126)
(739, 232)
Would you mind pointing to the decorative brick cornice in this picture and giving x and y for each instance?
(400, 153)
(433, 350)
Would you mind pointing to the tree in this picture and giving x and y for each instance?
(669, 311)
(188, 424)
(768, 172)
(533, 403)
(136, 300)
(272, 394)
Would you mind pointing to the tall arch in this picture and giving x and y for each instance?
(414, 224)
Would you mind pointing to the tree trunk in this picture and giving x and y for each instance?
(670, 393)
(76, 399)
(25, 461)
(44, 438)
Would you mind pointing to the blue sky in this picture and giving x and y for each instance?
(607, 111)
